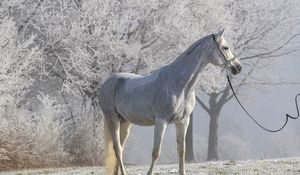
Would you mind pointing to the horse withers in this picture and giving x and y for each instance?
(163, 97)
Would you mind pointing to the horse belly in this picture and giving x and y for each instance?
(136, 109)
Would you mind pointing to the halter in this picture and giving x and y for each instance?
(221, 50)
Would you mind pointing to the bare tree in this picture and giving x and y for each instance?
(258, 39)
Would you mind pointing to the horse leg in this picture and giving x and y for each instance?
(124, 132)
(114, 128)
(181, 129)
(159, 130)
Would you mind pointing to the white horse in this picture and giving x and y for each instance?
(165, 96)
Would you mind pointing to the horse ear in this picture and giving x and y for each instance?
(221, 33)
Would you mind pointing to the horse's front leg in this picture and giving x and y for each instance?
(181, 129)
(159, 131)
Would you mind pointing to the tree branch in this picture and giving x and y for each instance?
(256, 35)
(150, 43)
(268, 54)
(224, 96)
(30, 16)
(69, 108)
(202, 104)
(272, 83)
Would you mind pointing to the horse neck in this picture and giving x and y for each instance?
(183, 73)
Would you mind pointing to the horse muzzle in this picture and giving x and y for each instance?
(235, 67)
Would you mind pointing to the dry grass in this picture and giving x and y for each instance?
(41, 139)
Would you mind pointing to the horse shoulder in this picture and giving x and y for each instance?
(167, 103)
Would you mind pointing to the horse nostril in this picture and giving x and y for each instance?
(234, 70)
(239, 67)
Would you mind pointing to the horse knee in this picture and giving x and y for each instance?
(155, 154)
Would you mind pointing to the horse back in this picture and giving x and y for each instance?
(128, 95)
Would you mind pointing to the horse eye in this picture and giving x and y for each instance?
(225, 48)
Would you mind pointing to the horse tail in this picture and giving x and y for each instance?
(106, 97)
(110, 156)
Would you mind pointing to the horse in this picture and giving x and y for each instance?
(165, 96)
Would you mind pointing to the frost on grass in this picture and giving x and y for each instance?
(250, 167)
(3, 154)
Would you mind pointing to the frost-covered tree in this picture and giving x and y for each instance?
(85, 41)
(26, 143)
(60, 51)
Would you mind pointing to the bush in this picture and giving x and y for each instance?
(33, 139)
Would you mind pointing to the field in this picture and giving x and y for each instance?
(287, 166)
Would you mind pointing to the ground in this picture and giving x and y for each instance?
(287, 166)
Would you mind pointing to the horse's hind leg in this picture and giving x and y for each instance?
(114, 128)
(124, 132)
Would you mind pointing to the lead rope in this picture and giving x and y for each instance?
(287, 116)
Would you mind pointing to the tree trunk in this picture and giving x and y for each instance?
(212, 153)
(189, 142)
(214, 113)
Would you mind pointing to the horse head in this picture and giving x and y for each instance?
(223, 55)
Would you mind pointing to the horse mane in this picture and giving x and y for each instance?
(196, 44)
(193, 47)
